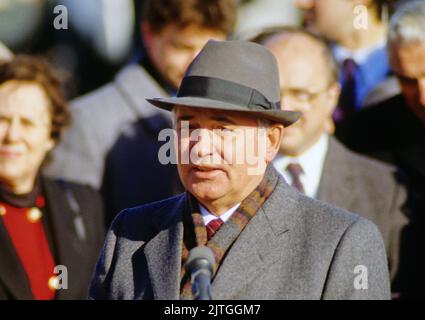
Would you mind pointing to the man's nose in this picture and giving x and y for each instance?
(203, 144)
(304, 4)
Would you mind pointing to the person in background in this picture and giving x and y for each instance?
(311, 159)
(113, 143)
(45, 225)
(394, 131)
(359, 49)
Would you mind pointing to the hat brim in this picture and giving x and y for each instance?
(281, 116)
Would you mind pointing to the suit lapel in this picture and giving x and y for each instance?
(258, 246)
(12, 274)
(163, 255)
(336, 182)
(67, 246)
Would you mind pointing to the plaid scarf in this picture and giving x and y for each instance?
(195, 233)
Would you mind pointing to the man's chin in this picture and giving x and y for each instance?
(206, 193)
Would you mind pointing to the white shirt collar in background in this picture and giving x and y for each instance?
(359, 56)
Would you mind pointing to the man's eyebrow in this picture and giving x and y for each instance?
(222, 119)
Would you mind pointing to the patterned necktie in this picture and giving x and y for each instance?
(348, 99)
(295, 170)
(213, 226)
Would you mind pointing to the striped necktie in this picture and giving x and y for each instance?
(295, 170)
(213, 226)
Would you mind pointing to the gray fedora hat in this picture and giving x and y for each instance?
(232, 76)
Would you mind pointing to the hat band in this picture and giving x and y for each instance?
(225, 91)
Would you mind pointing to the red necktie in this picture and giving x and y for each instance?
(213, 226)
(295, 171)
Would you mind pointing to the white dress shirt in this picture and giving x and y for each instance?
(208, 216)
(359, 56)
(311, 161)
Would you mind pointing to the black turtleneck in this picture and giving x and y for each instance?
(22, 200)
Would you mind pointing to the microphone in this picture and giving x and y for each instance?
(200, 266)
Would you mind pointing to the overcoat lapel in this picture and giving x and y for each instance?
(258, 246)
(68, 248)
(163, 255)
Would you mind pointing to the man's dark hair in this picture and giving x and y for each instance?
(31, 69)
(213, 14)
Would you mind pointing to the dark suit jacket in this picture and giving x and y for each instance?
(295, 247)
(369, 188)
(69, 249)
(390, 132)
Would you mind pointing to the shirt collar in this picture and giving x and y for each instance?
(359, 56)
(208, 216)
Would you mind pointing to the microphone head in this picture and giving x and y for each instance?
(200, 258)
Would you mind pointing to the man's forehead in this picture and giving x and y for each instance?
(296, 44)
(301, 60)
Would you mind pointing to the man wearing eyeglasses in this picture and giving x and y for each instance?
(314, 162)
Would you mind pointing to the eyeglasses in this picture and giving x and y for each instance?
(301, 95)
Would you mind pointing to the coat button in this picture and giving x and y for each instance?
(53, 283)
(34, 215)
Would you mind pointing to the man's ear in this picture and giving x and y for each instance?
(274, 140)
(334, 93)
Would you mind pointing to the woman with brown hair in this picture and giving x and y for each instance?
(50, 230)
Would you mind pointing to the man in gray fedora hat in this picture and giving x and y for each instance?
(269, 241)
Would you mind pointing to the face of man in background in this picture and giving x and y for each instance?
(213, 174)
(307, 86)
(408, 63)
(25, 127)
(173, 48)
(331, 18)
